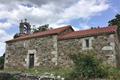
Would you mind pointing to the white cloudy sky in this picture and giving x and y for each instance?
(78, 13)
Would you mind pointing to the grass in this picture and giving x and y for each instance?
(114, 73)
(40, 71)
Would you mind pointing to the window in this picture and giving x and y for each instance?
(87, 43)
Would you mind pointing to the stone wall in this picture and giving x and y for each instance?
(44, 50)
(50, 52)
(17, 76)
(103, 45)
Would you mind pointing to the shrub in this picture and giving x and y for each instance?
(114, 74)
(87, 65)
(2, 61)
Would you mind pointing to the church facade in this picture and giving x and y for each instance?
(52, 48)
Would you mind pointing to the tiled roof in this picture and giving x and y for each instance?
(89, 32)
(70, 35)
(42, 34)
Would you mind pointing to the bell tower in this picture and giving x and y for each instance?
(21, 27)
(24, 27)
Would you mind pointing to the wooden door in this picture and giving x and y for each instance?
(31, 60)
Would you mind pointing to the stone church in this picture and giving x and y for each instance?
(52, 48)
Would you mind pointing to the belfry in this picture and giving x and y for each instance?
(25, 27)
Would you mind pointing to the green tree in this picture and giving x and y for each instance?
(41, 28)
(87, 65)
(2, 61)
(115, 21)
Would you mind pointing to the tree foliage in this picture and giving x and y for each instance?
(115, 21)
(2, 61)
(86, 66)
(41, 28)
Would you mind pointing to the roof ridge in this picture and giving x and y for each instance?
(41, 34)
(52, 29)
(99, 28)
(88, 32)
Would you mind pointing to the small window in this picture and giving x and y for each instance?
(87, 43)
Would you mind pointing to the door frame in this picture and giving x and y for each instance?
(31, 66)
(27, 59)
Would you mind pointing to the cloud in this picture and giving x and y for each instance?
(2, 48)
(5, 25)
(84, 9)
(3, 37)
(48, 12)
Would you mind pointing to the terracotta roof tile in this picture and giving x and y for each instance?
(70, 35)
(89, 32)
(41, 34)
